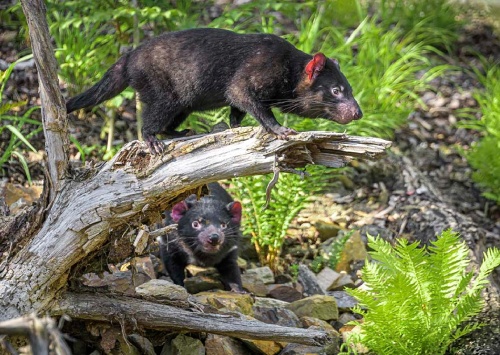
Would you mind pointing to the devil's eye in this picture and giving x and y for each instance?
(223, 225)
(196, 224)
(335, 91)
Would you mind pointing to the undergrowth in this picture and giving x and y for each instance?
(419, 300)
(291, 194)
(484, 156)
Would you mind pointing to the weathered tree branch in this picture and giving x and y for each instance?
(136, 185)
(145, 314)
(40, 331)
(55, 124)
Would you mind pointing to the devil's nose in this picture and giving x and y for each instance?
(359, 114)
(214, 238)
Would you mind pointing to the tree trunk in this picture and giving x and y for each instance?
(55, 124)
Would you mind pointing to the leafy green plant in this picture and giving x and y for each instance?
(427, 292)
(16, 126)
(268, 227)
(436, 20)
(483, 156)
(331, 256)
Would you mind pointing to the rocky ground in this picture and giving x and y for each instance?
(422, 187)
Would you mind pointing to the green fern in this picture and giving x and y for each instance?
(291, 194)
(416, 298)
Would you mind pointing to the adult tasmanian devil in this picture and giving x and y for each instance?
(178, 73)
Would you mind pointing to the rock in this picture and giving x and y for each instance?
(143, 265)
(346, 317)
(144, 345)
(242, 263)
(263, 273)
(354, 250)
(326, 230)
(280, 316)
(122, 282)
(225, 300)
(269, 302)
(200, 283)
(344, 301)
(299, 349)
(266, 347)
(309, 281)
(184, 345)
(283, 279)
(327, 277)
(195, 270)
(162, 290)
(284, 292)
(253, 284)
(317, 306)
(343, 281)
(222, 345)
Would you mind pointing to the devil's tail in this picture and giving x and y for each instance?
(113, 82)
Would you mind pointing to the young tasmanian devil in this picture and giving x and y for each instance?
(200, 69)
(208, 232)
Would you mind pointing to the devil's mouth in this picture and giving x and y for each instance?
(210, 248)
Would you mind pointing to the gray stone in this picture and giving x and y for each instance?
(309, 281)
(342, 282)
(344, 301)
(184, 345)
(346, 317)
(317, 306)
(162, 290)
(279, 316)
(228, 301)
(327, 277)
(269, 302)
(264, 273)
(222, 345)
(253, 284)
(201, 283)
(284, 292)
(144, 345)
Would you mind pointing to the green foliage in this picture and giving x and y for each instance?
(332, 255)
(291, 194)
(14, 126)
(416, 299)
(436, 20)
(383, 67)
(483, 157)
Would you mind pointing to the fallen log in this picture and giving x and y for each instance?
(146, 314)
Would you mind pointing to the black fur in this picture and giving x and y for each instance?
(194, 246)
(200, 69)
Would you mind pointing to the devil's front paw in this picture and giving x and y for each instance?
(155, 146)
(282, 132)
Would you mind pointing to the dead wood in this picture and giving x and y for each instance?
(41, 332)
(135, 185)
(145, 314)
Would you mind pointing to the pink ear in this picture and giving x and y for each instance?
(178, 211)
(315, 65)
(234, 209)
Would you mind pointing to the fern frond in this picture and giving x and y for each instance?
(415, 298)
